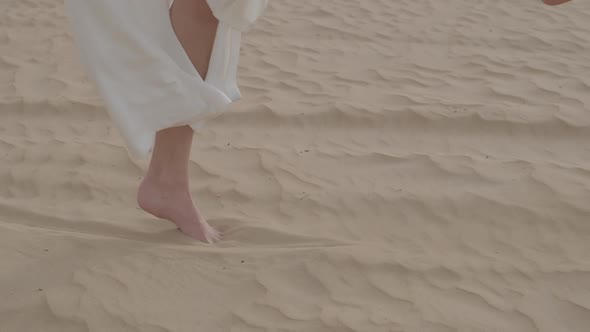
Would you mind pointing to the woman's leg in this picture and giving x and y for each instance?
(164, 191)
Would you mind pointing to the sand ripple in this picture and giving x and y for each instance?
(394, 166)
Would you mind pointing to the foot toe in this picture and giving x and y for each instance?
(212, 235)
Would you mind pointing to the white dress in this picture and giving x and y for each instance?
(142, 72)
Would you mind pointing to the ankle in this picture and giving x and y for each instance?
(167, 182)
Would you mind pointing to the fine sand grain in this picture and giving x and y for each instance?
(417, 166)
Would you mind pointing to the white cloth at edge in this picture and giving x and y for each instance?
(142, 72)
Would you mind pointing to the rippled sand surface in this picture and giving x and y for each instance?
(394, 166)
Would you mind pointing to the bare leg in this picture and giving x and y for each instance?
(195, 26)
(164, 192)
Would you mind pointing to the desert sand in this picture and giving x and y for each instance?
(393, 166)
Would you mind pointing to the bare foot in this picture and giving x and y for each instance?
(174, 203)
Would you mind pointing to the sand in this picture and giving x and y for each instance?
(393, 166)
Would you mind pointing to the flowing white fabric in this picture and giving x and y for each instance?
(142, 72)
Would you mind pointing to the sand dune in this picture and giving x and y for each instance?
(394, 166)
